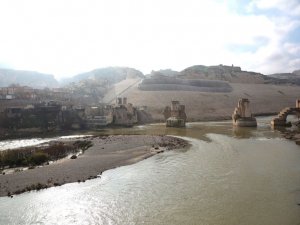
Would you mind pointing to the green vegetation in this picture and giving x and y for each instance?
(34, 156)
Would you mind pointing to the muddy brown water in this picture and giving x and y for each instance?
(228, 176)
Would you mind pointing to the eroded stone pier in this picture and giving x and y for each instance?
(242, 115)
(175, 115)
(280, 119)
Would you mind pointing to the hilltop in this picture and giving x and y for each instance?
(293, 77)
(109, 75)
(26, 78)
(98, 83)
(113, 75)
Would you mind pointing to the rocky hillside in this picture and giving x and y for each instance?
(264, 98)
(109, 75)
(293, 77)
(28, 78)
(205, 79)
(93, 86)
(164, 83)
(231, 74)
(212, 92)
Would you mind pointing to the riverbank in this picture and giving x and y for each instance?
(17, 134)
(6, 134)
(106, 153)
(293, 135)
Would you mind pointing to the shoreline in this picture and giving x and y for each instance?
(107, 152)
(12, 135)
(291, 135)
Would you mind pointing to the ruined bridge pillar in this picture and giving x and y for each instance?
(280, 119)
(175, 115)
(242, 116)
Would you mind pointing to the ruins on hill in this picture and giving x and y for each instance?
(56, 115)
(175, 115)
(242, 116)
(124, 114)
(121, 113)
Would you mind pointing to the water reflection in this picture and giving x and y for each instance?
(242, 132)
(199, 130)
(240, 177)
(196, 130)
(225, 181)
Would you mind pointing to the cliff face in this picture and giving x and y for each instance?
(28, 78)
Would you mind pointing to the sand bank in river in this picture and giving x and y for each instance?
(106, 153)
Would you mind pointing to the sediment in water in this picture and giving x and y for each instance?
(106, 153)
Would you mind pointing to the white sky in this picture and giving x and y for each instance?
(67, 37)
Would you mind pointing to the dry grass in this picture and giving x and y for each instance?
(33, 156)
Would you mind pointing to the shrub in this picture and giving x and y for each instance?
(32, 156)
(83, 145)
(39, 158)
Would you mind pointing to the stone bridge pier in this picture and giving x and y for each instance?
(280, 119)
(242, 116)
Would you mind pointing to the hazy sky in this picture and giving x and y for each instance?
(66, 37)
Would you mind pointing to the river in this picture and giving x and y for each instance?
(227, 177)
